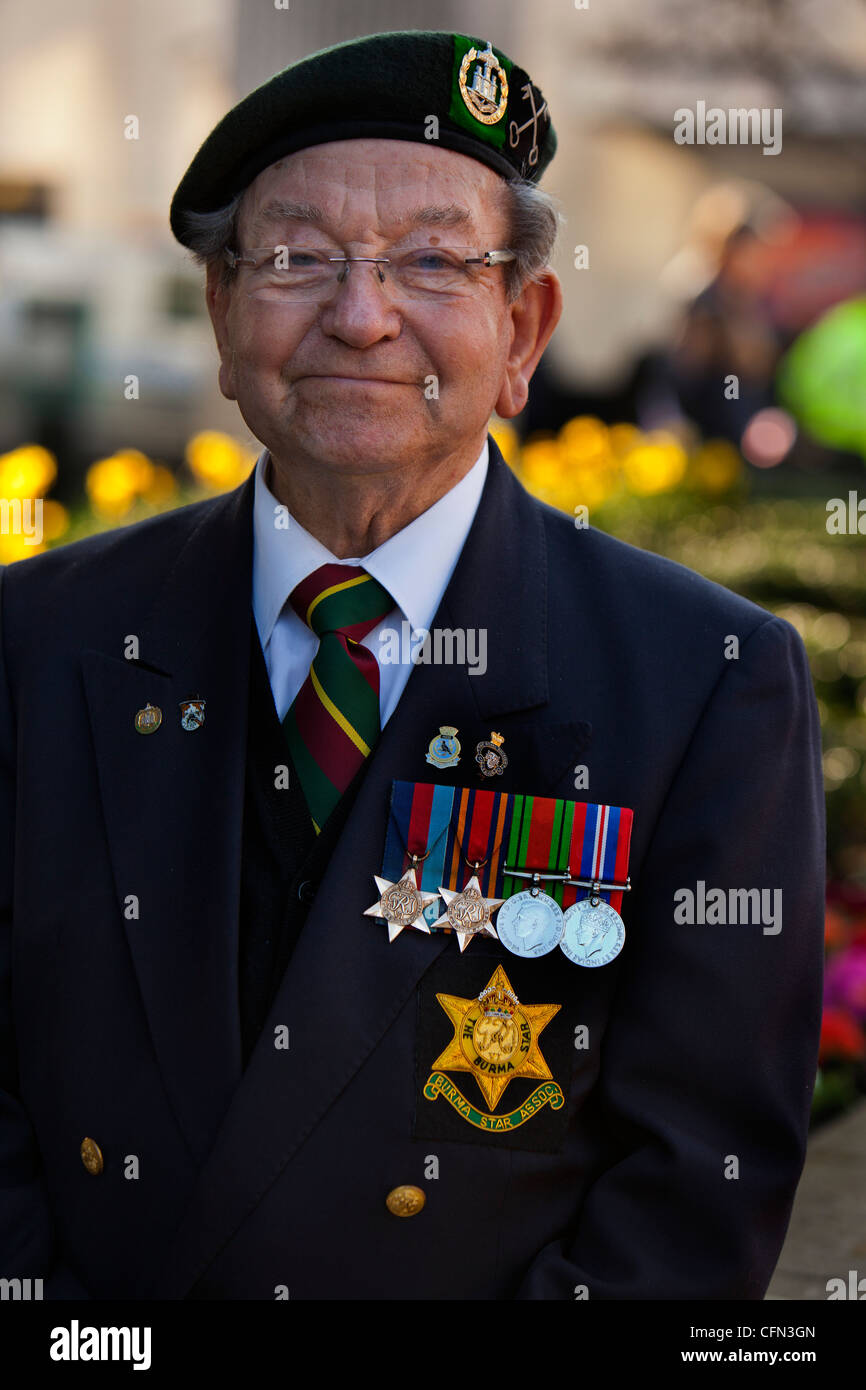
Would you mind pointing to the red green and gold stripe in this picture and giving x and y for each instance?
(333, 723)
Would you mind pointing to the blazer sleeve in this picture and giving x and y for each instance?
(27, 1247)
(709, 1058)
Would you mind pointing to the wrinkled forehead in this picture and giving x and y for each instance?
(359, 189)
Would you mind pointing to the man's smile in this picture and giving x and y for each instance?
(355, 380)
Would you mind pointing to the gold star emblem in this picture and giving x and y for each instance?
(401, 904)
(496, 1037)
(468, 912)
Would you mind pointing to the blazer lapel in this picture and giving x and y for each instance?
(343, 965)
(173, 803)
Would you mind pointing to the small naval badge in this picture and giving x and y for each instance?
(496, 1040)
(481, 96)
(401, 904)
(191, 714)
(490, 757)
(530, 924)
(593, 933)
(468, 912)
(444, 749)
(148, 720)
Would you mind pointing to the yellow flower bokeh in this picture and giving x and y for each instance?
(218, 461)
(27, 471)
(657, 464)
(588, 463)
(27, 520)
(113, 484)
(116, 483)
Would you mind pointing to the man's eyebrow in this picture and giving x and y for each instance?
(451, 216)
(286, 210)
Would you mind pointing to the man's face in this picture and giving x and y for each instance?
(346, 385)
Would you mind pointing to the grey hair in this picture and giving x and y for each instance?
(533, 215)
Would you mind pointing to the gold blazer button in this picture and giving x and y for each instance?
(91, 1156)
(405, 1201)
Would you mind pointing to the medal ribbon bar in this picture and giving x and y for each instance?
(570, 844)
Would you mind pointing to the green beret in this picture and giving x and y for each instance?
(386, 86)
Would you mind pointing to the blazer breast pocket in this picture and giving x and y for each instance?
(506, 1048)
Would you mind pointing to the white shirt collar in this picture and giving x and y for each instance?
(414, 565)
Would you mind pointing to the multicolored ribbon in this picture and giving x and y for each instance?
(461, 826)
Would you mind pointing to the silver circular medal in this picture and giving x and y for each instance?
(529, 924)
(592, 935)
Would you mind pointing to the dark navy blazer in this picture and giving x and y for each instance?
(702, 1038)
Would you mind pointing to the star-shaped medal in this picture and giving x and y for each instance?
(401, 904)
(468, 912)
(496, 1037)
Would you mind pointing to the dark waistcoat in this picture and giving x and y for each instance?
(283, 859)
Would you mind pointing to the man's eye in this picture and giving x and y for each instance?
(283, 261)
(431, 260)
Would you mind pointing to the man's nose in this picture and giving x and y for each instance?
(362, 310)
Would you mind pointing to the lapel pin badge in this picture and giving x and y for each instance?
(444, 749)
(191, 714)
(148, 720)
(490, 757)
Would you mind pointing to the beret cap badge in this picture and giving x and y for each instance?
(489, 77)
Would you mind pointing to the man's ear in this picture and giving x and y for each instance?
(218, 298)
(534, 316)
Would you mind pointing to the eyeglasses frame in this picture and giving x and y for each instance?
(487, 258)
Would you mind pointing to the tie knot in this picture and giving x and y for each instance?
(341, 598)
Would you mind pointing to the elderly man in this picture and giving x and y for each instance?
(272, 1026)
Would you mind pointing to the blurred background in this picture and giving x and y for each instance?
(704, 395)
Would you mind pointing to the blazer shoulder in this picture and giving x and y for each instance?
(616, 575)
(69, 589)
(92, 556)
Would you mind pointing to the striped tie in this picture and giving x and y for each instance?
(333, 722)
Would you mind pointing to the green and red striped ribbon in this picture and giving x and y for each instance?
(461, 825)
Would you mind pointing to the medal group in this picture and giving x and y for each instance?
(454, 839)
(534, 873)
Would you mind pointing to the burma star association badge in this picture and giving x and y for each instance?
(489, 756)
(496, 1039)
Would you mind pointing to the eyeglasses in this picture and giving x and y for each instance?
(298, 274)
